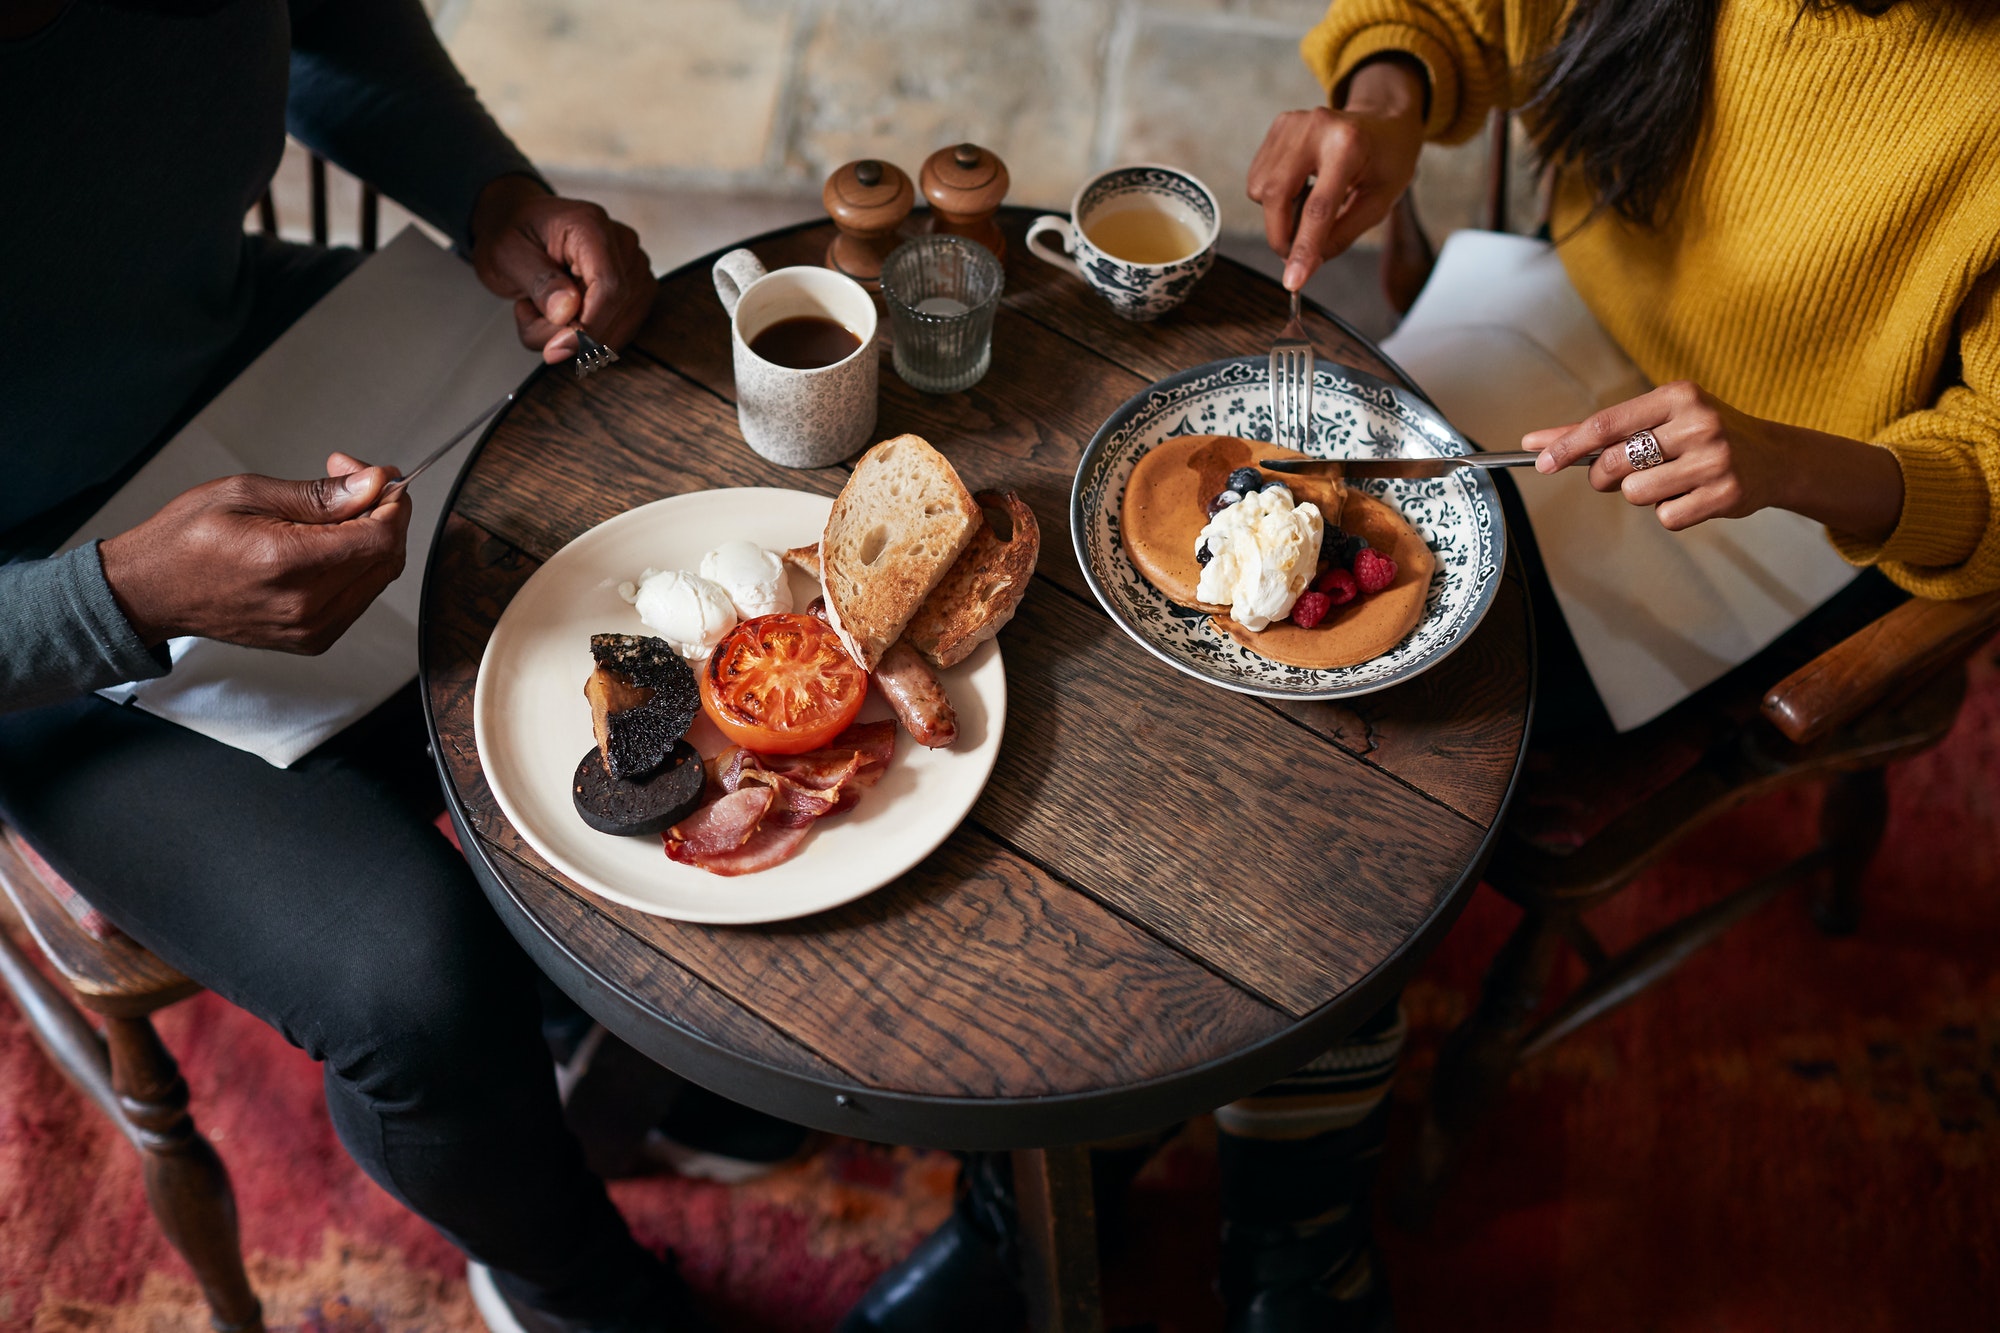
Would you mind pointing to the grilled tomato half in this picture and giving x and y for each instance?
(781, 684)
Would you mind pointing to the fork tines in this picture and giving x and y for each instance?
(591, 355)
(1292, 385)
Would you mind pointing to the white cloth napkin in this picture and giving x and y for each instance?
(385, 367)
(1503, 344)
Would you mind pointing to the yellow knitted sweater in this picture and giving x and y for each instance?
(1834, 257)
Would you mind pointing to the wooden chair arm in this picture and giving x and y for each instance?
(1407, 256)
(1902, 647)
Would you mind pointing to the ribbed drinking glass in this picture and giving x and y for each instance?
(941, 292)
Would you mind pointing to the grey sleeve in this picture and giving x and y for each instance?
(373, 90)
(62, 634)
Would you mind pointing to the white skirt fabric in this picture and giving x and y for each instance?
(1503, 345)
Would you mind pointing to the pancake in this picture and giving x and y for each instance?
(1166, 504)
(1366, 627)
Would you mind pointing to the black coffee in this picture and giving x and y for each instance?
(805, 342)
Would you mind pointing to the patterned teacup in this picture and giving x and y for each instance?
(1136, 290)
(799, 417)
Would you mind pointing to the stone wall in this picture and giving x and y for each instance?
(768, 96)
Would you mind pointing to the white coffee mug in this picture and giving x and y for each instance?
(1136, 291)
(799, 418)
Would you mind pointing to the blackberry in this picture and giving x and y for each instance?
(1340, 547)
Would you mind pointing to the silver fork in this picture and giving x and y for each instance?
(591, 355)
(1292, 384)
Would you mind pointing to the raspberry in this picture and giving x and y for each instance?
(1338, 586)
(1310, 609)
(1373, 570)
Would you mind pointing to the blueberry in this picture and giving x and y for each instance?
(1245, 480)
(1202, 555)
(1230, 497)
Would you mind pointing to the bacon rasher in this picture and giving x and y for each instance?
(758, 808)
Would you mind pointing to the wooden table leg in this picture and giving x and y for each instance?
(1059, 1239)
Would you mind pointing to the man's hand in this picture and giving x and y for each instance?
(265, 563)
(1722, 463)
(1357, 159)
(564, 262)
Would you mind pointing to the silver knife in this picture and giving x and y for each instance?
(402, 483)
(1410, 468)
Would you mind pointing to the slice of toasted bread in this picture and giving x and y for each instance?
(805, 558)
(896, 528)
(978, 595)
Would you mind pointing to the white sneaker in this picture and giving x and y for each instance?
(486, 1299)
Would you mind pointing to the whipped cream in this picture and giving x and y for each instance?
(688, 611)
(1262, 553)
(753, 577)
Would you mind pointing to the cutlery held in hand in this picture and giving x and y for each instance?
(591, 355)
(400, 484)
(1292, 358)
(1409, 468)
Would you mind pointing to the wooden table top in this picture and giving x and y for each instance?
(1167, 895)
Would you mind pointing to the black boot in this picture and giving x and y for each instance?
(1298, 1253)
(966, 1275)
(1302, 1278)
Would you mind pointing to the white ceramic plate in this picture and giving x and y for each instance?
(532, 725)
(1354, 416)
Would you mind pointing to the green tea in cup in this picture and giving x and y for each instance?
(1141, 234)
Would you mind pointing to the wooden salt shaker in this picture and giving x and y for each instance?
(868, 200)
(965, 185)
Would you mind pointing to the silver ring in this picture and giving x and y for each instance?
(1643, 451)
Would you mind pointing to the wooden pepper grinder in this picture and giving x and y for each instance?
(868, 200)
(965, 185)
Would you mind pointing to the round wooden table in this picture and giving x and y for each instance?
(1168, 894)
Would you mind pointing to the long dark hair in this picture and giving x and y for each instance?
(1621, 95)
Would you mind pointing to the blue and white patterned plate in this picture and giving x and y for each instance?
(1355, 415)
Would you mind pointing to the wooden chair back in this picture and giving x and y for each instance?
(370, 221)
(1407, 253)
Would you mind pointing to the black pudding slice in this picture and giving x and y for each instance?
(637, 740)
(652, 804)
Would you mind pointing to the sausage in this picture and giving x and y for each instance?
(913, 690)
(918, 697)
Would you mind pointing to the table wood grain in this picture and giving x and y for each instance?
(1168, 893)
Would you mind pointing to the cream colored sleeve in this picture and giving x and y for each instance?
(1947, 542)
(1462, 44)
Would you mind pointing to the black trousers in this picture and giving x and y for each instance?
(321, 899)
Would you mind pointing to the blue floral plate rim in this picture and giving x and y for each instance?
(1459, 516)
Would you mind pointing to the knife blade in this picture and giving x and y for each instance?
(1409, 468)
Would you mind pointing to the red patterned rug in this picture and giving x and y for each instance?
(1792, 1134)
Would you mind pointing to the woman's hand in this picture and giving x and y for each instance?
(286, 565)
(1357, 160)
(536, 247)
(1722, 463)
